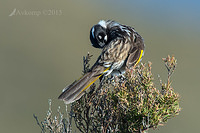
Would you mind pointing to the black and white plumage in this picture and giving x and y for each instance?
(122, 48)
(109, 33)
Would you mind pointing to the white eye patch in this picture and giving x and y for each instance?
(100, 37)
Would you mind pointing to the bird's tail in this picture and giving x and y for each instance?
(77, 89)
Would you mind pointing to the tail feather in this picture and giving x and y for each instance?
(77, 89)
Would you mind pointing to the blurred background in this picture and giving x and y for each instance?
(42, 44)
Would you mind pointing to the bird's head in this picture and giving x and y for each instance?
(98, 34)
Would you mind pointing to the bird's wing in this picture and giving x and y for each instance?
(136, 52)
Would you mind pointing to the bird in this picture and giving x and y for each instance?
(121, 48)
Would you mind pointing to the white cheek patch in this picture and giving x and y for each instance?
(105, 38)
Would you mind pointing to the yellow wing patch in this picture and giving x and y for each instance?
(93, 81)
(139, 58)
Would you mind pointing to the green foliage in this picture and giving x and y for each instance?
(130, 104)
(126, 104)
(141, 104)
